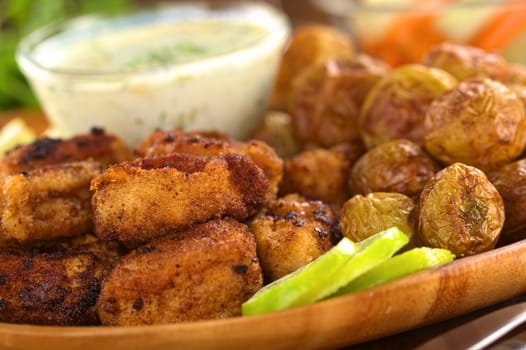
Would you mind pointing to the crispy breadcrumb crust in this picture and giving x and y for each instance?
(138, 201)
(161, 143)
(98, 145)
(206, 272)
(47, 203)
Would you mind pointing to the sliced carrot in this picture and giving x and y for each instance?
(508, 23)
(409, 36)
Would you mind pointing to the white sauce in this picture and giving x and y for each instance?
(158, 45)
(206, 72)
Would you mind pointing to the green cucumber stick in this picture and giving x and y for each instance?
(372, 252)
(290, 290)
(414, 260)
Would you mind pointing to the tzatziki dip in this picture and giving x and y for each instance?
(179, 67)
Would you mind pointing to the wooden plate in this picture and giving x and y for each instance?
(420, 299)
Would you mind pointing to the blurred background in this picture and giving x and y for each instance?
(20, 17)
(398, 31)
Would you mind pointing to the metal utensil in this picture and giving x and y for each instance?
(481, 332)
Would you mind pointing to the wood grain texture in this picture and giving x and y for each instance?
(423, 298)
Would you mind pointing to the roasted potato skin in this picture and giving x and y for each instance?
(465, 62)
(98, 145)
(309, 45)
(364, 216)
(461, 210)
(517, 81)
(395, 107)
(480, 123)
(47, 203)
(326, 99)
(510, 181)
(50, 288)
(203, 273)
(292, 232)
(321, 174)
(162, 143)
(142, 200)
(277, 131)
(398, 166)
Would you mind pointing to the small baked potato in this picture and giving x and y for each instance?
(364, 216)
(326, 99)
(464, 62)
(396, 106)
(309, 45)
(480, 123)
(398, 166)
(460, 210)
(510, 181)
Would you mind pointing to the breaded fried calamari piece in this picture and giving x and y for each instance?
(47, 203)
(292, 232)
(100, 146)
(107, 252)
(321, 174)
(206, 272)
(50, 288)
(138, 201)
(161, 143)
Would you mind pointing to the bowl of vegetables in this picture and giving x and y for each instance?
(402, 31)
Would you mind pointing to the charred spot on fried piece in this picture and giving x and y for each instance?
(203, 273)
(292, 233)
(50, 288)
(162, 143)
(138, 201)
(100, 146)
(47, 203)
(321, 174)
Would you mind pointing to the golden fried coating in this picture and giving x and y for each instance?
(321, 174)
(107, 252)
(292, 232)
(50, 288)
(309, 45)
(464, 62)
(326, 99)
(138, 201)
(206, 272)
(161, 143)
(399, 166)
(98, 145)
(277, 131)
(47, 203)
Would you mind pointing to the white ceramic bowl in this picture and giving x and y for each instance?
(180, 66)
